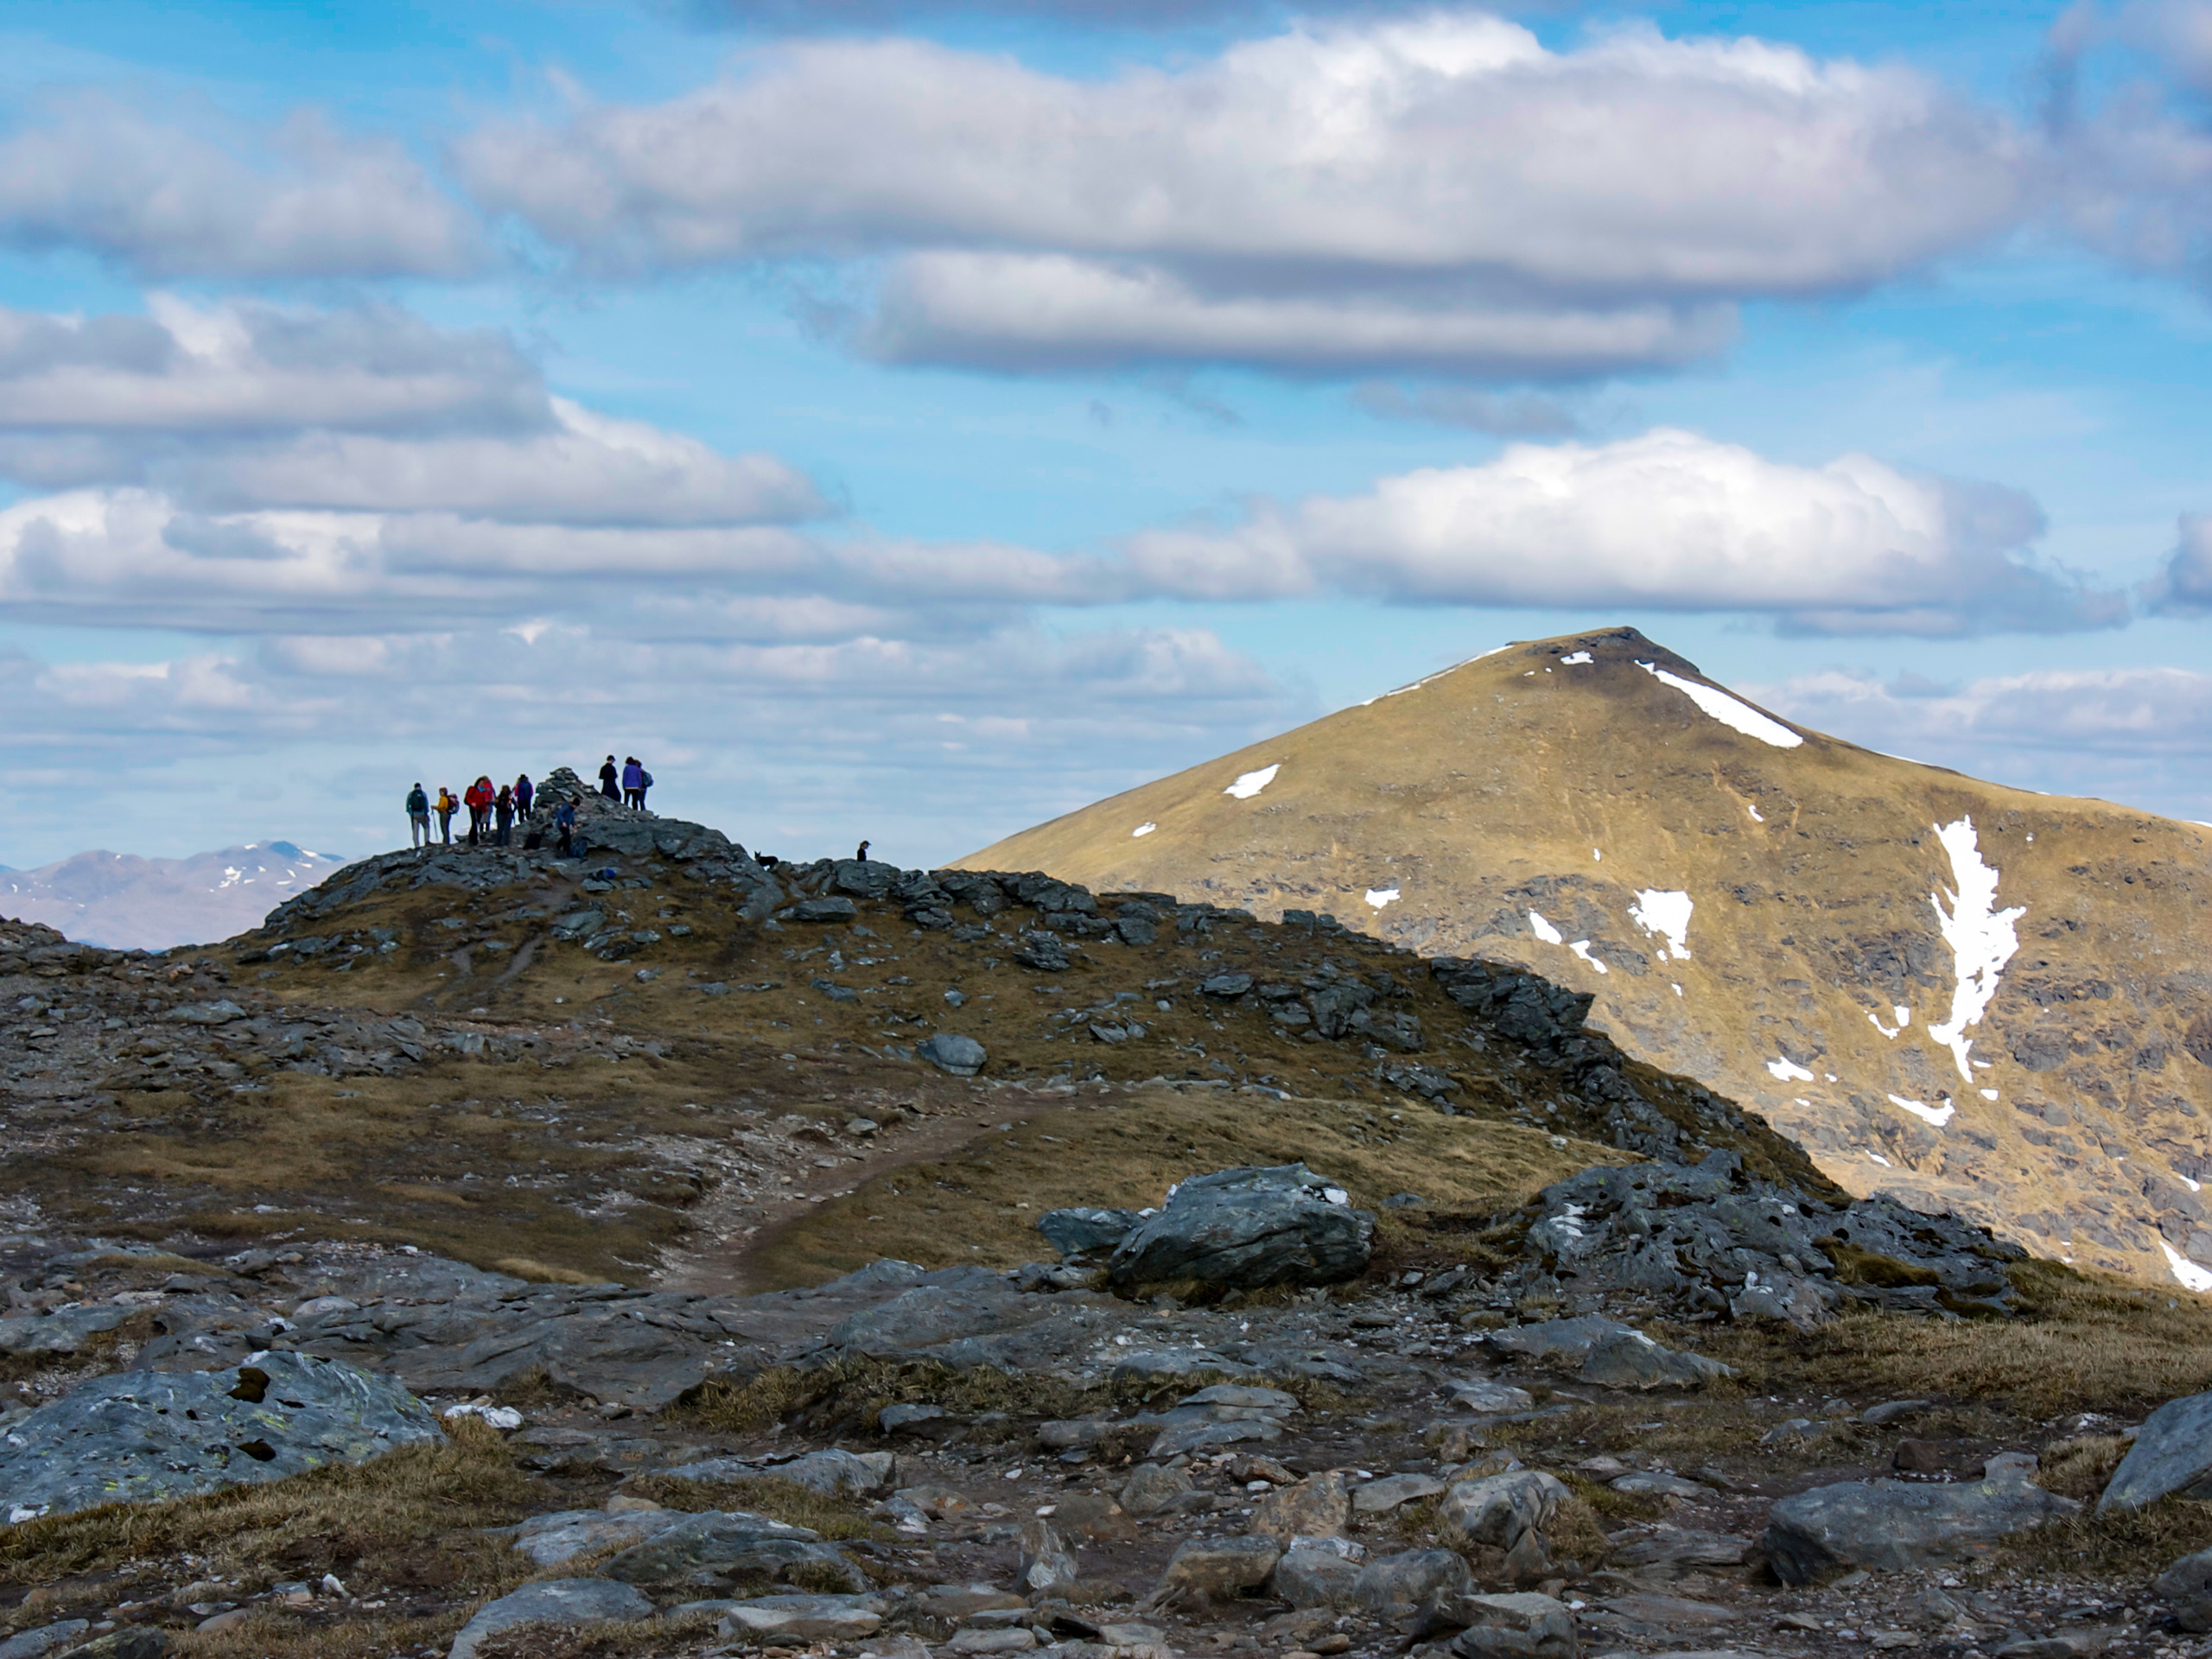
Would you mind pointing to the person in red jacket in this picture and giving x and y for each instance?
(478, 801)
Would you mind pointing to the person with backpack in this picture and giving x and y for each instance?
(479, 802)
(503, 806)
(564, 820)
(633, 789)
(449, 803)
(610, 780)
(418, 817)
(524, 794)
(644, 783)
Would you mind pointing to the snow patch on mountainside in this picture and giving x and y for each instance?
(1666, 914)
(1729, 711)
(1251, 783)
(1981, 938)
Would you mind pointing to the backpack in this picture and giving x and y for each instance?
(644, 780)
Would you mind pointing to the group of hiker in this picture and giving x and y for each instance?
(495, 811)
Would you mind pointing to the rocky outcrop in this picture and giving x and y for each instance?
(146, 1435)
(1711, 1239)
(2171, 1453)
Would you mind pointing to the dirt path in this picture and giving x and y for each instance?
(736, 1226)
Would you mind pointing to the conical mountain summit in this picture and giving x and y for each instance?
(1977, 998)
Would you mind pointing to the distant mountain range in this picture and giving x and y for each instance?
(1976, 997)
(155, 904)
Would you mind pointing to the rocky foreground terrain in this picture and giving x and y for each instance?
(654, 1254)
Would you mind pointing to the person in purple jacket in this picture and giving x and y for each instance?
(524, 793)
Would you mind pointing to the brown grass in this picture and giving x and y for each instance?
(2140, 1544)
(2080, 1344)
(2080, 1467)
(982, 1207)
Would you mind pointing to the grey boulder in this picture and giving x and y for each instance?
(1411, 1578)
(2186, 1586)
(1246, 1228)
(144, 1435)
(1526, 1626)
(1556, 1341)
(1318, 1571)
(1891, 1526)
(556, 1601)
(36, 1644)
(66, 1332)
(1219, 1567)
(963, 1057)
(2172, 1453)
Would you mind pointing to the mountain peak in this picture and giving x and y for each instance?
(1977, 997)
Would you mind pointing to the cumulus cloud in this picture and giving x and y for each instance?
(1433, 191)
(244, 467)
(171, 196)
(1668, 520)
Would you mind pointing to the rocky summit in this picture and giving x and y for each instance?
(659, 1252)
(1982, 1000)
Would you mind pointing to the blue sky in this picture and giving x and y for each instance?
(925, 424)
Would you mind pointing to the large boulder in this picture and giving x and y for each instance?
(143, 1435)
(1891, 1526)
(1247, 1228)
(1526, 1626)
(1411, 1578)
(2172, 1453)
(716, 1545)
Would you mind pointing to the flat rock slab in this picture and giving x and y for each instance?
(1564, 1341)
(1891, 1526)
(566, 1602)
(1629, 1359)
(64, 1331)
(1394, 1491)
(802, 1619)
(705, 1547)
(549, 1540)
(1670, 1610)
(145, 1435)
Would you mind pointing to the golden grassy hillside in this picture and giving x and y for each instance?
(1560, 805)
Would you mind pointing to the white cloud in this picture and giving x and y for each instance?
(1668, 520)
(2184, 585)
(2156, 712)
(194, 196)
(1441, 190)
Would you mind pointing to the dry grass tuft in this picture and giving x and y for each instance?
(377, 1513)
(1601, 1499)
(2139, 1545)
(1575, 1533)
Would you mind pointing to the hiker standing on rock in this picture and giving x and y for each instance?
(479, 802)
(564, 820)
(418, 817)
(634, 783)
(449, 803)
(524, 794)
(505, 806)
(610, 780)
